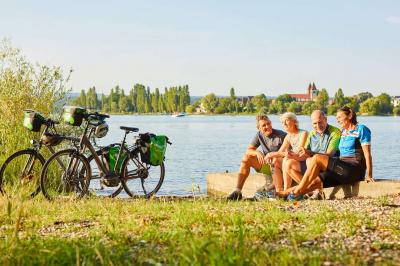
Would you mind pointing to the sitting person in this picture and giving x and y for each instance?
(269, 140)
(353, 165)
(290, 148)
(323, 139)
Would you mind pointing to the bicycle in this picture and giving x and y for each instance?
(73, 181)
(20, 172)
(136, 177)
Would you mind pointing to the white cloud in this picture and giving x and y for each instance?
(393, 19)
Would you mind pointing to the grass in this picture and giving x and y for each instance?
(195, 231)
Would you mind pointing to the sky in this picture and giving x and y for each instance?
(270, 47)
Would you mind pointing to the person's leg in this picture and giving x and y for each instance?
(277, 177)
(317, 164)
(248, 161)
(355, 189)
(285, 173)
(294, 171)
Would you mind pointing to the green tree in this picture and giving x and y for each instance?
(234, 104)
(363, 96)
(308, 108)
(396, 110)
(91, 98)
(339, 98)
(285, 98)
(352, 102)
(260, 101)
(295, 107)
(332, 109)
(210, 102)
(123, 103)
(322, 100)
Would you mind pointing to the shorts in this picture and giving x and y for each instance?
(303, 167)
(341, 173)
(265, 169)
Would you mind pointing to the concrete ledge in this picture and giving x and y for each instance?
(221, 184)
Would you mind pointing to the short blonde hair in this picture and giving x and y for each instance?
(290, 116)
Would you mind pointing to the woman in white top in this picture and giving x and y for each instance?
(294, 139)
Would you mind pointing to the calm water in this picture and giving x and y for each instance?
(207, 144)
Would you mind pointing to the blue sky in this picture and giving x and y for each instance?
(269, 47)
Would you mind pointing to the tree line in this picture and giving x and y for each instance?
(364, 103)
(139, 100)
(177, 99)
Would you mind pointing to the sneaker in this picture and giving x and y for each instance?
(261, 195)
(235, 195)
(317, 195)
(292, 197)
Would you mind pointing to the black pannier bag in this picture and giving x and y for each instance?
(33, 120)
(153, 148)
(73, 115)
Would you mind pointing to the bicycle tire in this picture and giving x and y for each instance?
(34, 188)
(136, 174)
(59, 181)
(103, 190)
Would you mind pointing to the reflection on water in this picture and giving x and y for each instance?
(207, 144)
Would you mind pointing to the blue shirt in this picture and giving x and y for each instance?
(351, 142)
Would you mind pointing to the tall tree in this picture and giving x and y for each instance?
(339, 98)
(322, 100)
(210, 102)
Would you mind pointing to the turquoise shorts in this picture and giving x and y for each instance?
(265, 169)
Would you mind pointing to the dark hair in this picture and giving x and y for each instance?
(349, 112)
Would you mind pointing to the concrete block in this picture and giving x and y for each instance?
(221, 184)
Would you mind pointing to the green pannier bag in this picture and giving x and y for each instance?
(73, 115)
(158, 147)
(112, 158)
(33, 120)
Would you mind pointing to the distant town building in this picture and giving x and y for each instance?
(396, 101)
(311, 94)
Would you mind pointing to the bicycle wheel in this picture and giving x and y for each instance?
(141, 180)
(65, 175)
(98, 186)
(20, 174)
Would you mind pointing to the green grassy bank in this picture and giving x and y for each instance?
(200, 231)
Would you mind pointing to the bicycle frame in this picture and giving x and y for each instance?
(36, 147)
(85, 143)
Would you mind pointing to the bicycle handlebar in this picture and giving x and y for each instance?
(97, 115)
(50, 122)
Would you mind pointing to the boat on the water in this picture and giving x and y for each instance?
(178, 114)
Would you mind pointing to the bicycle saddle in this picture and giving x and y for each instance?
(130, 129)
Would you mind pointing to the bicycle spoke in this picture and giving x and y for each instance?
(20, 174)
(69, 181)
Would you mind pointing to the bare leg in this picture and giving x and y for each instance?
(317, 163)
(316, 184)
(355, 189)
(347, 191)
(277, 176)
(248, 161)
(334, 192)
(287, 180)
(294, 171)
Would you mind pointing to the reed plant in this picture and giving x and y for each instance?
(25, 85)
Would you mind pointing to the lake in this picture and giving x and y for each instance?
(208, 144)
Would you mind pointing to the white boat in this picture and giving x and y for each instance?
(178, 114)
